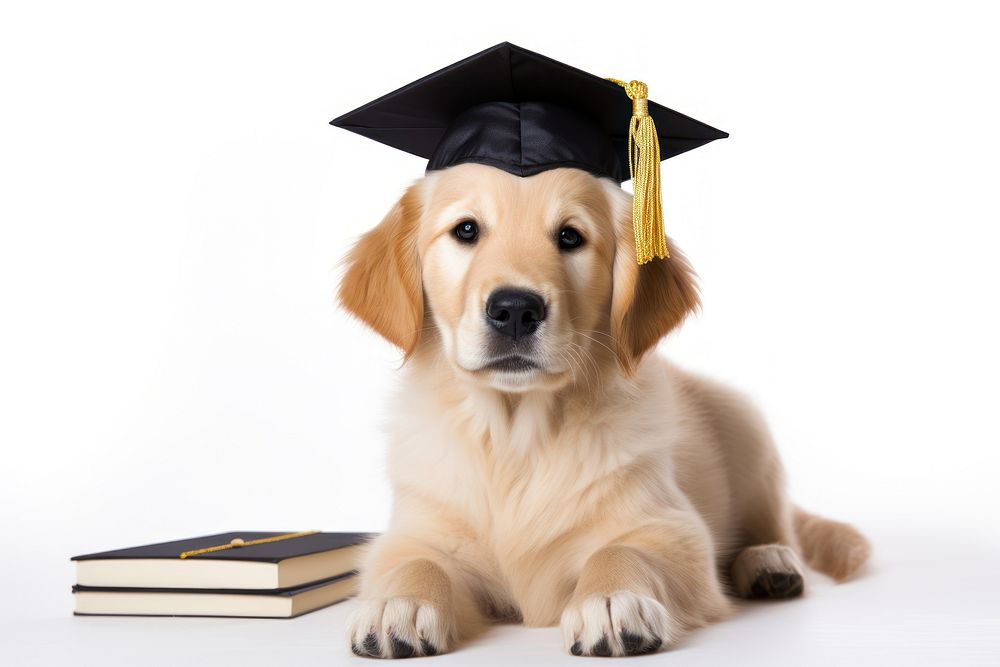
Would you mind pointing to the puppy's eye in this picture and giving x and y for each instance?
(569, 239)
(466, 231)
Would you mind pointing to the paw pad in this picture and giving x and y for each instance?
(400, 649)
(368, 647)
(777, 585)
(636, 645)
(427, 647)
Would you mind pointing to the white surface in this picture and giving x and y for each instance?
(920, 603)
(173, 205)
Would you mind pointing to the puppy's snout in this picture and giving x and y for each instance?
(515, 312)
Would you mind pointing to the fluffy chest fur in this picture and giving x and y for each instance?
(522, 490)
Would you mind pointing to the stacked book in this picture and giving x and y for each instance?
(254, 574)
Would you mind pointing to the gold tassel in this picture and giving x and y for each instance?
(644, 167)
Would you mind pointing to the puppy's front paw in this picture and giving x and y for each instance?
(623, 623)
(398, 628)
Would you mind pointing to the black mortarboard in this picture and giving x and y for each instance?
(521, 112)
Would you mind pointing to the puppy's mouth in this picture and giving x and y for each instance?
(516, 373)
(513, 363)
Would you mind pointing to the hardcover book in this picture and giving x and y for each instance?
(279, 603)
(224, 561)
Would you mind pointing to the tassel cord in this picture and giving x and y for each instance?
(644, 168)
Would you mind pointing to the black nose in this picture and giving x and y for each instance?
(515, 312)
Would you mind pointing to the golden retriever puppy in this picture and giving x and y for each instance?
(545, 468)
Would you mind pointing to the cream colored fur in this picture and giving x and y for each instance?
(610, 492)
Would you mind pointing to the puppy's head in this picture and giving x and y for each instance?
(531, 283)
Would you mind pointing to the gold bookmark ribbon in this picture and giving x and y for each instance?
(644, 167)
(238, 543)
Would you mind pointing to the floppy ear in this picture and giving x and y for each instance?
(648, 301)
(382, 285)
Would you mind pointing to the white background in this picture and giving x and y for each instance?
(173, 206)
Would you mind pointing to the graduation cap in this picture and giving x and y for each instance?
(524, 113)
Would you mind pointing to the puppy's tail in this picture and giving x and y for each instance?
(834, 548)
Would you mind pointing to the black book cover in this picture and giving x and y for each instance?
(271, 552)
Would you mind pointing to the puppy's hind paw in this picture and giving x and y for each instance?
(768, 571)
(623, 623)
(397, 628)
